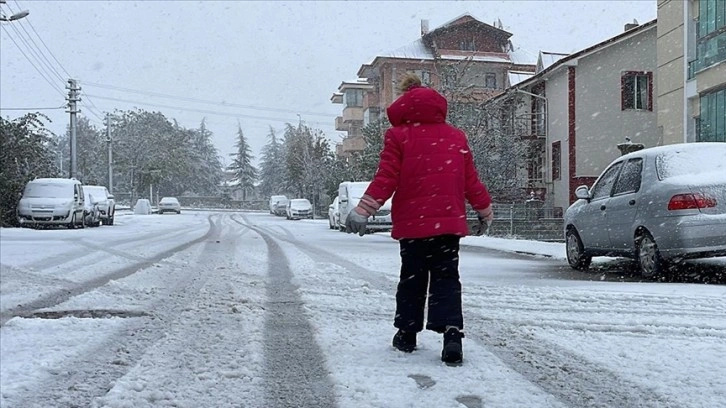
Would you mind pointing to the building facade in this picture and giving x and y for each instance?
(691, 72)
(465, 59)
(578, 108)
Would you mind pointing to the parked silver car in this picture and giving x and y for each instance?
(105, 201)
(169, 204)
(334, 214)
(658, 205)
(299, 208)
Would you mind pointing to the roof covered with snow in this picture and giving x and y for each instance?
(516, 77)
(547, 59)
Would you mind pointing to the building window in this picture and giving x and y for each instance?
(490, 80)
(711, 16)
(353, 98)
(710, 35)
(467, 45)
(424, 75)
(712, 120)
(636, 89)
(556, 160)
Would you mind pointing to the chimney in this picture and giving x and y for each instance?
(630, 26)
(424, 27)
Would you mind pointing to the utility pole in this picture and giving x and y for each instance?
(110, 153)
(73, 97)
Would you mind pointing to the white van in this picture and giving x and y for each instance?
(274, 200)
(349, 194)
(52, 201)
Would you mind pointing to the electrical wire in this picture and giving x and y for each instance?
(33, 109)
(205, 111)
(216, 103)
(42, 74)
(40, 55)
(26, 20)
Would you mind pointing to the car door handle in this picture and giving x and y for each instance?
(631, 202)
(602, 207)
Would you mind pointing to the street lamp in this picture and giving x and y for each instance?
(16, 16)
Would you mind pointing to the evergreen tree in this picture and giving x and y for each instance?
(272, 167)
(244, 172)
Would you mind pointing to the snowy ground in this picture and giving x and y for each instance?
(230, 309)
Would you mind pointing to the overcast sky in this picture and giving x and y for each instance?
(271, 60)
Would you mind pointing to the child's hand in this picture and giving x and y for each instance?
(356, 221)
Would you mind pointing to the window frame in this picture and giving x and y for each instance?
(628, 93)
(490, 76)
(556, 160)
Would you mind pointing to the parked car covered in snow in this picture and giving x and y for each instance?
(350, 193)
(334, 214)
(280, 206)
(274, 200)
(105, 201)
(142, 206)
(169, 204)
(298, 208)
(92, 213)
(52, 201)
(658, 205)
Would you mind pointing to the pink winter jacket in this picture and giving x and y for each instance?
(428, 165)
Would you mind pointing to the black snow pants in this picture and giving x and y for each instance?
(429, 266)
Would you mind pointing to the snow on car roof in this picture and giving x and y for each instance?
(55, 181)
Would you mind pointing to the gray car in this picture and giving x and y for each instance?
(658, 205)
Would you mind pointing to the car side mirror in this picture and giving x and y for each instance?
(582, 193)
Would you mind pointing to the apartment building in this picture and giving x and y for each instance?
(577, 109)
(465, 59)
(691, 73)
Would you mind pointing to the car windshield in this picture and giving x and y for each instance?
(48, 190)
(97, 193)
(300, 203)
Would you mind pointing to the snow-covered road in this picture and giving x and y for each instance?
(222, 309)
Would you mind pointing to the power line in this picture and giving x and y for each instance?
(31, 109)
(37, 49)
(216, 103)
(42, 74)
(43, 42)
(205, 111)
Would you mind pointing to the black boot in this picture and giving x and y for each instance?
(452, 351)
(405, 341)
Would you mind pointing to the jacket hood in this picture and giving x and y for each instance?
(418, 105)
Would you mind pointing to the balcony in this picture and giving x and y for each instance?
(353, 144)
(340, 125)
(353, 113)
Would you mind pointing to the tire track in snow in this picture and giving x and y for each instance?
(295, 374)
(85, 377)
(573, 380)
(58, 297)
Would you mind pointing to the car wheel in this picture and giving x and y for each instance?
(110, 221)
(650, 262)
(341, 228)
(83, 222)
(576, 256)
(178, 212)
